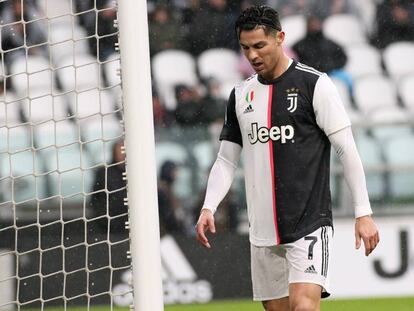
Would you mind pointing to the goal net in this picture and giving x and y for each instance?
(63, 240)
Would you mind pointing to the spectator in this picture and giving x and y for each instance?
(394, 21)
(163, 30)
(103, 28)
(325, 8)
(212, 27)
(169, 206)
(109, 193)
(20, 33)
(318, 51)
(189, 110)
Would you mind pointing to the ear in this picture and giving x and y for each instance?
(280, 37)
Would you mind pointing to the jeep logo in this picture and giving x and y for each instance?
(263, 134)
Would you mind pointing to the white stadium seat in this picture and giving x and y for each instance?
(170, 68)
(220, 64)
(344, 29)
(371, 158)
(79, 73)
(363, 60)
(398, 59)
(31, 76)
(295, 28)
(406, 92)
(373, 93)
(399, 152)
(66, 41)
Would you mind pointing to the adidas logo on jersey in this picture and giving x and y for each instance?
(311, 269)
(275, 133)
(248, 109)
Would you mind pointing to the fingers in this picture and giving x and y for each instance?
(371, 243)
(201, 237)
(357, 240)
(205, 222)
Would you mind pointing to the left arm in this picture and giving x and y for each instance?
(365, 228)
(333, 120)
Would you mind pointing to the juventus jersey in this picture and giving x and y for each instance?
(283, 127)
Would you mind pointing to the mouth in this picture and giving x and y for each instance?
(257, 66)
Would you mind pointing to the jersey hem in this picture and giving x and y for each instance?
(289, 238)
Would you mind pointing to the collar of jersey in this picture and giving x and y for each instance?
(268, 82)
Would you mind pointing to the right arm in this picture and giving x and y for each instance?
(219, 182)
(222, 172)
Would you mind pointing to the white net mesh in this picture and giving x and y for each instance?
(62, 214)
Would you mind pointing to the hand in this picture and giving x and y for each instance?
(205, 222)
(366, 229)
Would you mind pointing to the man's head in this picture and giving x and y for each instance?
(260, 36)
(258, 17)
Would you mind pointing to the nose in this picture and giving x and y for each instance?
(251, 55)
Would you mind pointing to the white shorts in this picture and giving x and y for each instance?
(303, 261)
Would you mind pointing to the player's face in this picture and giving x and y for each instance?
(262, 51)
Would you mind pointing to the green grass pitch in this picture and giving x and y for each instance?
(373, 304)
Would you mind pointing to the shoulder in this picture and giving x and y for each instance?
(307, 71)
(249, 83)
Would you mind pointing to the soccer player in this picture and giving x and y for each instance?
(285, 119)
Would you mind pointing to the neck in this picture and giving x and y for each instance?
(281, 67)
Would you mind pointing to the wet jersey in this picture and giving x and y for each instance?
(283, 126)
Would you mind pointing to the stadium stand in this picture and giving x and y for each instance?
(170, 68)
(345, 29)
(398, 59)
(295, 28)
(363, 60)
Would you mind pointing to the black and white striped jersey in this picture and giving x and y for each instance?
(283, 127)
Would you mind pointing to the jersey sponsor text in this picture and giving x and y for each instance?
(275, 133)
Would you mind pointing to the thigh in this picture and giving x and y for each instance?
(308, 259)
(270, 273)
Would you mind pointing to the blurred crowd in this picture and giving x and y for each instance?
(195, 26)
(181, 24)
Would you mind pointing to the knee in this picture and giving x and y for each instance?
(304, 305)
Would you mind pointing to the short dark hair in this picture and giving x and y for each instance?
(255, 16)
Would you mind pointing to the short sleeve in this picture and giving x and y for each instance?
(231, 128)
(329, 109)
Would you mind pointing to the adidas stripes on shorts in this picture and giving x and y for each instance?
(303, 261)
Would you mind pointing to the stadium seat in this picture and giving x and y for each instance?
(371, 157)
(19, 182)
(387, 132)
(55, 134)
(31, 76)
(374, 94)
(79, 73)
(363, 60)
(398, 59)
(112, 69)
(219, 64)
(170, 68)
(295, 28)
(176, 153)
(44, 108)
(98, 138)
(399, 153)
(343, 90)
(10, 109)
(92, 102)
(14, 139)
(205, 154)
(406, 92)
(75, 178)
(66, 40)
(345, 29)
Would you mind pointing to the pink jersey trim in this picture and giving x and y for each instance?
(272, 164)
